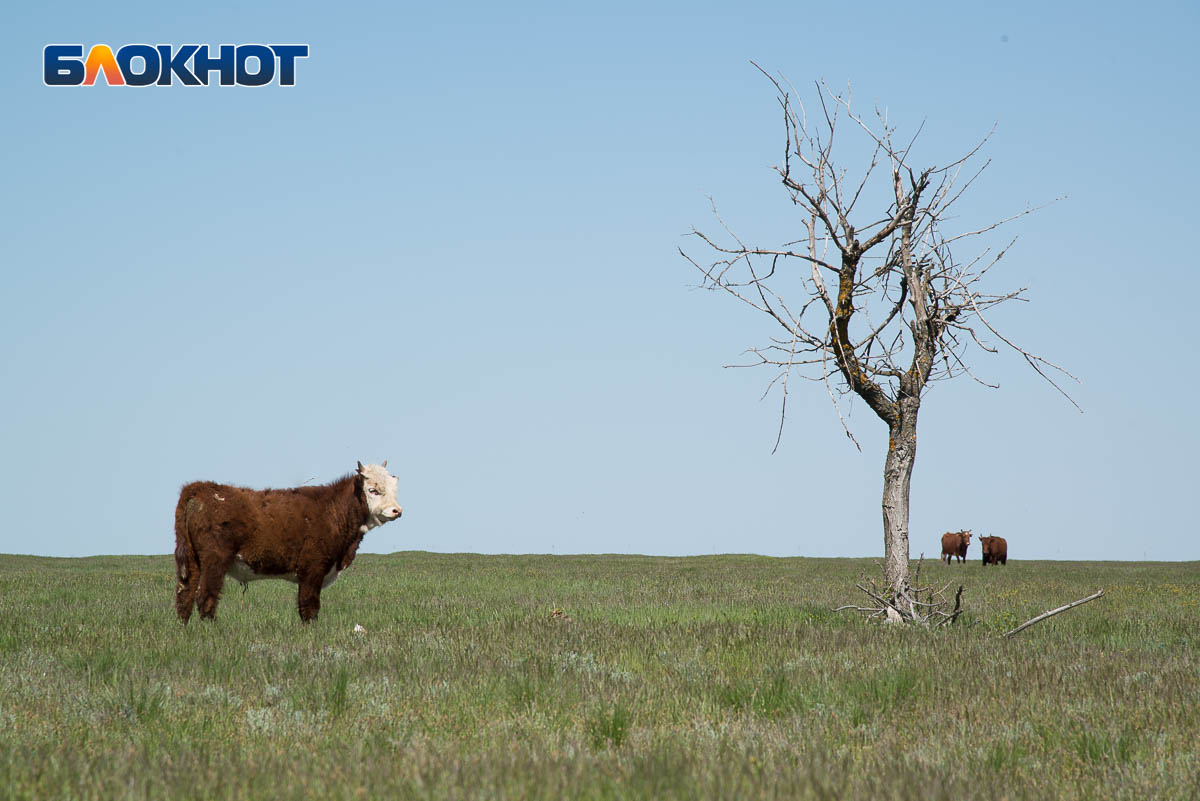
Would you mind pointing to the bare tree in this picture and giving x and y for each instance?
(880, 308)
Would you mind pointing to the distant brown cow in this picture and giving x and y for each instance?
(995, 550)
(306, 535)
(955, 544)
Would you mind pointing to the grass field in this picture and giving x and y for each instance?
(699, 677)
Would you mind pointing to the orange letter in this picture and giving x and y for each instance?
(101, 58)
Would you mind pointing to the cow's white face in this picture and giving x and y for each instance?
(379, 487)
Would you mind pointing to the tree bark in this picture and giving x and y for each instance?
(897, 480)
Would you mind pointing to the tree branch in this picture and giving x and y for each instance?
(1054, 612)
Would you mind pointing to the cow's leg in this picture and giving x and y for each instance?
(212, 580)
(309, 597)
(187, 581)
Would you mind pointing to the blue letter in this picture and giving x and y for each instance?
(266, 65)
(62, 65)
(125, 57)
(202, 64)
(287, 61)
(177, 64)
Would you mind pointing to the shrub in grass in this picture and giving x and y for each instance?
(609, 726)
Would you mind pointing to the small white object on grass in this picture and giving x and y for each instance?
(359, 629)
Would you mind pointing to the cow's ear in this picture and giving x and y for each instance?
(360, 468)
(384, 463)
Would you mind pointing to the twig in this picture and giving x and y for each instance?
(957, 608)
(884, 602)
(1053, 612)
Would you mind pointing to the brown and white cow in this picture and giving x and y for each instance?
(955, 544)
(305, 535)
(995, 550)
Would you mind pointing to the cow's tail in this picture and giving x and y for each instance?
(187, 565)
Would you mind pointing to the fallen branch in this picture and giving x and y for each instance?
(886, 603)
(911, 604)
(860, 609)
(1054, 612)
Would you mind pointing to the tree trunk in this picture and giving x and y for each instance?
(897, 479)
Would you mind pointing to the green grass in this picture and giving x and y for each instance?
(701, 677)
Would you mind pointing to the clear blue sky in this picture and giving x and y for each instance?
(453, 245)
